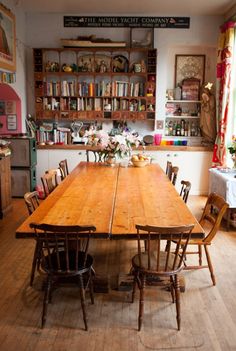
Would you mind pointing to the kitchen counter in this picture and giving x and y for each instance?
(147, 148)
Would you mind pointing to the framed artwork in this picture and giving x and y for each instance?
(11, 122)
(7, 39)
(189, 66)
(190, 89)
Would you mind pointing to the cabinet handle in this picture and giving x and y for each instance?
(175, 155)
(167, 155)
(80, 153)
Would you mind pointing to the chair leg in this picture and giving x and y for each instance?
(210, 265)
(172, 289)
(82, 299)
(91, 290)
(47, 294)
(200, 254)
(177, 301)
(134, 288)
(141, 302)
(36, 260)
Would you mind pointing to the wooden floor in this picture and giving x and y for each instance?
(208, 313)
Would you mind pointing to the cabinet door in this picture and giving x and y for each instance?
(193, 166)
(42, 164)
(73, 158)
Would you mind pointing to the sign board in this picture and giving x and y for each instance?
(132, 22)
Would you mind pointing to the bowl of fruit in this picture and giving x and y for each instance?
(140, 160)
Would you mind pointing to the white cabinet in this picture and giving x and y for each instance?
(193, 166)
(49, 159)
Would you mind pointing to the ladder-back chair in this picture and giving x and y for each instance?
(211, 218)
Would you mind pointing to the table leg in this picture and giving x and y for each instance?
(228, 219)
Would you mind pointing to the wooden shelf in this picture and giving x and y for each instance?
(93, 84)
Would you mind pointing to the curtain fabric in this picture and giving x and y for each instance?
(223, 90)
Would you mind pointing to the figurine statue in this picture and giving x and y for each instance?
(208, 114)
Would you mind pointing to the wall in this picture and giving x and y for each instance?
(46, 30)
(20, 85)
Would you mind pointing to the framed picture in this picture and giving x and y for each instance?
(190, 89)
(11, 122)
(189, 66)
(7, 40)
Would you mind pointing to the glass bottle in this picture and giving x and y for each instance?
(178, 129)
(182, 127)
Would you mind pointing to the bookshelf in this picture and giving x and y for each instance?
(95, 84)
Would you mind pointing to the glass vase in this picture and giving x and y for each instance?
(111, 160)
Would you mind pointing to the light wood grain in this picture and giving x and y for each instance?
(113, 199)
(209, 313)
(146, 196)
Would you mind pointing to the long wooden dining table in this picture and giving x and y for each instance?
(114, 200)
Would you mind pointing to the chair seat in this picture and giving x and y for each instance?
(153, 263)
(80, 269)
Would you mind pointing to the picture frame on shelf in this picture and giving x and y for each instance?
(7, 39)
(189, 66)
(190, 89)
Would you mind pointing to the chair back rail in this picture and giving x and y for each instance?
(64, 170)
(31, 201)
(185, 189)
(167, 262)
(212, 215)
(49, 181)
(94, 155)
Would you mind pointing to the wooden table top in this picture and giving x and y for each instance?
(113, 199)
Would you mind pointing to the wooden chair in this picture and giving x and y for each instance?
(168, 169)
(94, 155)
(185, 189)
(63, 167)
(32, 202)
(152, 262)
(49, 181)
(211, 218)
(69, 259)
(174, 173)
(171, 172)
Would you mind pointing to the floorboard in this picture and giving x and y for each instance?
(208, 313)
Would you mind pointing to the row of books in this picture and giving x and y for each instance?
(56, 137)
(116, 88)
(88, 103)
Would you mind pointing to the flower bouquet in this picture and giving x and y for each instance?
(111, 146)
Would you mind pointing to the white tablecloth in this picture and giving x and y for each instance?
(223, 184)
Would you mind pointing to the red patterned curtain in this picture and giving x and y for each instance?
(223, 90)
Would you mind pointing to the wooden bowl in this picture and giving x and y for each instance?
(140, 163)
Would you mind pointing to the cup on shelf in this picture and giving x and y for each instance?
(157, 139)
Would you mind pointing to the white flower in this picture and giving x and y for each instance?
(120, 144)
